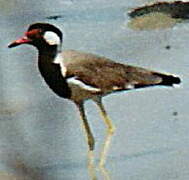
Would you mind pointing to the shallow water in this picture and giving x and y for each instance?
(40, 134)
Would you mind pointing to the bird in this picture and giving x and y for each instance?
(81, 76)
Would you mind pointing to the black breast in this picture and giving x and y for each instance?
(53, 77)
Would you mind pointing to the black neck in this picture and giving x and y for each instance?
(51, 72)
(44, 48)
(48, 50)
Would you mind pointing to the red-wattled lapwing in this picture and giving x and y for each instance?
(81, 76)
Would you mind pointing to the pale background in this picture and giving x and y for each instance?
(40, 133)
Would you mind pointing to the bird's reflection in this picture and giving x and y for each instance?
(92, 168)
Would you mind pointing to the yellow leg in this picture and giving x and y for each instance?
(110, 131)
(89, 135)
(91, 166)
(90, 141)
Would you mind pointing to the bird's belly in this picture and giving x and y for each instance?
(79, 94)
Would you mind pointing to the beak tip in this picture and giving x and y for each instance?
(18, 42)
(10, 46)
(13, 44)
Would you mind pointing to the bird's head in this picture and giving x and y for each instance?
(40, 35)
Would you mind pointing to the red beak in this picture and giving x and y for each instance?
(20, 41)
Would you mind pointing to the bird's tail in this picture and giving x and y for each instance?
(168, 80)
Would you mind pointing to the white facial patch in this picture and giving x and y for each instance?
(52, 38)
(81, 84)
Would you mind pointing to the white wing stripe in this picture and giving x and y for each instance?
(75, 81)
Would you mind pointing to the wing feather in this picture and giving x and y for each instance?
(105, 74)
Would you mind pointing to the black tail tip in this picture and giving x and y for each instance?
(177, 80)
(171, 80)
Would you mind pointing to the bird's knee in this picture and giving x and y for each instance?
(91, 143)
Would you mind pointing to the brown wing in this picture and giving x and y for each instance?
(106, 74)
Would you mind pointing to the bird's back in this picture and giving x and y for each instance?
(107, 75)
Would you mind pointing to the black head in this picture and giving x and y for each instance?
(40, 35)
